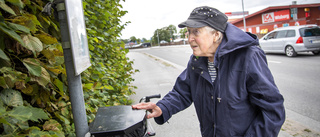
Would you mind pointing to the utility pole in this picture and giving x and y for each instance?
(244, 18)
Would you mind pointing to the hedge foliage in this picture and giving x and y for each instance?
(34, 98)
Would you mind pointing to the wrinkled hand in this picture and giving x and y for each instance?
(154, 110)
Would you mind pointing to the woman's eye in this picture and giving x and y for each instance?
(195, 32)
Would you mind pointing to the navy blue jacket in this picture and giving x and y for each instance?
(243, 101)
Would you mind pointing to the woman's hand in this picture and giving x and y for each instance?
(154, 110)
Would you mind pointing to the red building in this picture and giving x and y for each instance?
(270, 18)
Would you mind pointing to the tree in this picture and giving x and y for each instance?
(165, 33)
(157, 37)
(144, 40)
(133, 39)
(125, 40)
(183, 32)
(172, 30)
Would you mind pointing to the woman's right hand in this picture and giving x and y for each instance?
(154, 110)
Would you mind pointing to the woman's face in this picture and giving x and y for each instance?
(203, 42)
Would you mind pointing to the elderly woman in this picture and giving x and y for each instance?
(227, 79)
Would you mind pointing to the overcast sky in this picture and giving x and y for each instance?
(148, 15)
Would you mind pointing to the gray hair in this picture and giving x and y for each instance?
(212, 30)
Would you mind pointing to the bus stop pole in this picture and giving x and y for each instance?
(74, 81)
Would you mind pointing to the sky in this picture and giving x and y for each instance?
(148, 15)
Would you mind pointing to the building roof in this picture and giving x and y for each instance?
(234, 19)
(276, 8)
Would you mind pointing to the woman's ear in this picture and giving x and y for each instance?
(215, 37)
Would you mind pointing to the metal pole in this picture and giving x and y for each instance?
(158, 38)
(244, 18)
(74, 82)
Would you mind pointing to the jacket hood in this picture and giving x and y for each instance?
(234, 38)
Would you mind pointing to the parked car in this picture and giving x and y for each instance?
(146, 45)
(137, 45)
(163, 41)
(292, 39)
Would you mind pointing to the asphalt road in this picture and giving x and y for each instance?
(297, 79)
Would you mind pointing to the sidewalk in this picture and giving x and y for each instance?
(284, 134)
(297, 125)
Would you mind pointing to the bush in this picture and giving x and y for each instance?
(33, 85)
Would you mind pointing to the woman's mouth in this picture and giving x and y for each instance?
(193, 46)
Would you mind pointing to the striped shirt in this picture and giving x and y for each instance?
(212, 71)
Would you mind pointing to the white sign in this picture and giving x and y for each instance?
(276, 16)
(268, 17)
(78, 35)
(257, 29)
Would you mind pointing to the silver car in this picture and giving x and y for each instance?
(292, 39)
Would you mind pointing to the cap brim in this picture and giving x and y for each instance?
(192, 24)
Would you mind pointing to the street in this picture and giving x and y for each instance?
(297, 79)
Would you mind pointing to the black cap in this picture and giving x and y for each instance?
(206, 16)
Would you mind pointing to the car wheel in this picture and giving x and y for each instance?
(315, 52)
(290, 52)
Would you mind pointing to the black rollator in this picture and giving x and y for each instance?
(122, 121)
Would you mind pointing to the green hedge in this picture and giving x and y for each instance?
(33, 85)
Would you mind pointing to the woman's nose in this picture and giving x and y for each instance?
(190, 38)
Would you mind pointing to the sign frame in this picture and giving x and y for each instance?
(78, 35)
(238, 13)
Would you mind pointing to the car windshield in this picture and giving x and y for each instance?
(310, 31)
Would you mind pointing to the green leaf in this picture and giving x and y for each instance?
(59, 84)
(64, 111)
(46, 38)
(28, 20)
(32, 43)
(18, 27)
(33, 66)
(11, 127)
(17, 3)
(37, 114)
(6, 8)
(21, 113)
(48, 54)
(52, 125)
(11, 97)
(2, 108)
(11, 33)
(59, 60)
(28, 90)
(4, 56)
(62, 118)
(88, 86)
(2, 43)
(4, 121)
(38, 133)
(108, 87)
(96, 40)
(43, 79)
